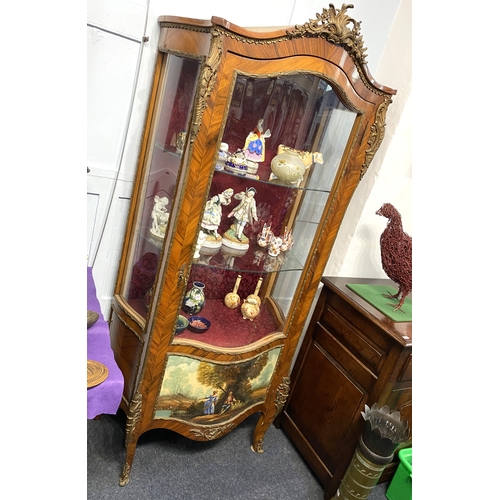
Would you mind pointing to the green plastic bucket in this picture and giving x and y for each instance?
(400, 487)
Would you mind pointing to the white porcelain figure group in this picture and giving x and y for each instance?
(160, 217)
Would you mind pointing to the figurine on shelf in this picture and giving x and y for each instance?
(222, 157)
(274, 247)
(265, 236)
(180, 142)
(245, 213)
(160, 217)
(212, 218)
(238, 164)
(286, 241)
(255, 145)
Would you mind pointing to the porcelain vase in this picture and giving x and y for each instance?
(194, 299)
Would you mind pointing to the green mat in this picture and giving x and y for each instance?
(373, 294)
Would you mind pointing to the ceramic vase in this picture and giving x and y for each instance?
(250, 309)
(255, 294)
(194, 299)
(232, 299)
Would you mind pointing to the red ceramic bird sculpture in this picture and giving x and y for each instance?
(395, 248)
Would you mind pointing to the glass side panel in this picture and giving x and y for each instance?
(281, 149)
(175, 95)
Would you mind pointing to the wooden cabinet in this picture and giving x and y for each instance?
(225, 103)
(352, 355)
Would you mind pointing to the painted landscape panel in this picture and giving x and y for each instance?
(206, 392)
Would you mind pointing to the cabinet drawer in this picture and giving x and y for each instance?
(365, 345)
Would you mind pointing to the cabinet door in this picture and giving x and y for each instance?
(257, 235)
(159, 170)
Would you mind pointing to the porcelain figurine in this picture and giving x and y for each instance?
(160, 217)
(180, 141)
(202, 237)
(239, 165)
(222, 157)
(274, 247)
(255, 143)
(265, 236)
(245, 213)
(212, 217)
(286, 241)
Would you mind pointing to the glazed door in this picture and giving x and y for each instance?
(170, 110)
(281, 142)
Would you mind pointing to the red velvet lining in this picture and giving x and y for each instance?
(229, 329)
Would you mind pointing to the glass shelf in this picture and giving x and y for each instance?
(254, 260)
(264, 173)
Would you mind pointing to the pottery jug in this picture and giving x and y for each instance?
(194, 299)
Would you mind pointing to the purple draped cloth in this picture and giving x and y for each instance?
(105, 397)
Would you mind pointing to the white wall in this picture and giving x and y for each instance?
(120, 67)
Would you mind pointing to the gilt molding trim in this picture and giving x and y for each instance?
(207, 82)
(213, 432)
(282, 393)
(133, 414)
(333, 25)
(377, 133)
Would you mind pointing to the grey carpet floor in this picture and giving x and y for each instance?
(168, 466)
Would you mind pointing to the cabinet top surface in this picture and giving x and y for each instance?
(401, 330)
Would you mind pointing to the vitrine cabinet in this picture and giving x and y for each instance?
(253, 144)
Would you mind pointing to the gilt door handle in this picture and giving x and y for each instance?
(181, 276)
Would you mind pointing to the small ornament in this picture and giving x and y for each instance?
(255, 143)
(222, 157)
(180, 142)
(245, 213)
(194, 299)
(212, 218)
(274, 247)
(255, 294)
(265, 236)
(160, 217)
(250, 309)
(232, 299)
(290, 164)
(286, 241)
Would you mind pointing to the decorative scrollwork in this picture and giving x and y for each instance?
(134, 412)
(282, 394)
(333, 24)
(377, 133)
(213, 432)
(207, 81)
